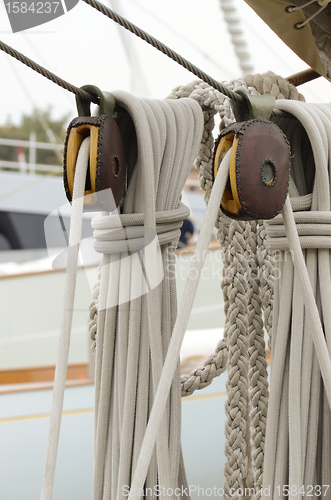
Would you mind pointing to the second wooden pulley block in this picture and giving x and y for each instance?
(259, 169)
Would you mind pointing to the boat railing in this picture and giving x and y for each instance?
(31, 166)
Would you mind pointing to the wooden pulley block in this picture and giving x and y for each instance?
(106, 168)
(259, 169)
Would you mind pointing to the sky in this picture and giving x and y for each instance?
(85, 47)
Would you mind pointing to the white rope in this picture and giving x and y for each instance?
(124, 339)
(212, 101)
(65, 330)
(298, 427)
(179, 329)
(136, 328)
(310, 18)
(137, 310)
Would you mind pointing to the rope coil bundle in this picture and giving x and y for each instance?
(135, 316)
(298, 431)
(248, 290)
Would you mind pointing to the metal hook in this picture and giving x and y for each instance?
(252, 106)
(106, 101)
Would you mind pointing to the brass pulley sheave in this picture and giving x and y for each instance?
(260, 161)
(106, 168)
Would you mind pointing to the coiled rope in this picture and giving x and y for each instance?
(211, 102)
(293, 451)
(136, 333)
(298, 435)
(238, 471)
(292, 398)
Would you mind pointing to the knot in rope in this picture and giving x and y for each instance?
(313, 227)
(127, 233)
(314, 230)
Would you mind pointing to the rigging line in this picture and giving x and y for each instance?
(180, 35)
(138, 32)
(171, 53)
(144, 36)
(45, 126)
(41, 57)
(163, 48)
(47, 74)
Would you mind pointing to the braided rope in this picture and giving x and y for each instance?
(93, 310)
(203, 376)
(258, 365)
(237, 430)
(266, 266)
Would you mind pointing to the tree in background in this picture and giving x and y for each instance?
(37, 122)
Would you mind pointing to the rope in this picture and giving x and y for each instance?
(126, 377)
(298, 426)
(46, 73)
(162, 48)
(144, 36)
(237, 428)
(259, 287)
(233, 23)
(65, 329)
(137, 308)
(211, 101)
(258, 378)
(178, 332)
(128, 451)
